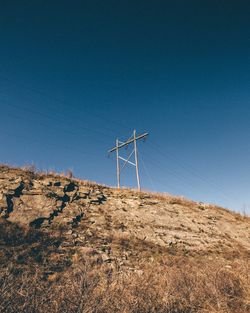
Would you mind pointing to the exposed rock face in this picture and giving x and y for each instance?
(117, 225)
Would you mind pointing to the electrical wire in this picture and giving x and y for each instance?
(180, 179)
(90, 131)
(146, 171)
(62, 102)
(191, 170)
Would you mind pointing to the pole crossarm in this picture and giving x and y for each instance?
(128, 142)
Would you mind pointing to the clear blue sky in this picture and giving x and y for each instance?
(74, 75)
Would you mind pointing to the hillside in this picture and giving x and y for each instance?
(52, 224)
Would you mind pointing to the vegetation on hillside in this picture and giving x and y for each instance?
(172, 284)
(72, 246)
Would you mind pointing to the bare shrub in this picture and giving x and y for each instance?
(30, 168)
(69, 173)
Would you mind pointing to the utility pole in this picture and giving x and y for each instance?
(119, 145)
(136, 162)
(117, 164)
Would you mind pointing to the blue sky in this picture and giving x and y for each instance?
(75, 75)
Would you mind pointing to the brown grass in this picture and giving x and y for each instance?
(46, 282)
(177, 286)
(36, 276)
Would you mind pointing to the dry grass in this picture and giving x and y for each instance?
(161, 196)
(172, 284)
(37, 275)
(33, 172)
(177, 286)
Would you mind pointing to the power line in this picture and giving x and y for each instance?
(146, 171)
(60, 101)
(54, 119)
(53, 145)
(191, 170)
(179, 178)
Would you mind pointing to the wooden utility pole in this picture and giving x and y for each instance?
(117, 164)
(136, 162)
(120, 145)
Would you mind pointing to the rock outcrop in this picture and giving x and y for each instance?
(117, 226)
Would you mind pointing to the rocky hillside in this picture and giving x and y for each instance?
(73, 246)
(116, 226)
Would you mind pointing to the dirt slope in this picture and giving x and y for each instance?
(115, 226)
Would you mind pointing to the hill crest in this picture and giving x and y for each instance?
(119, 225)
